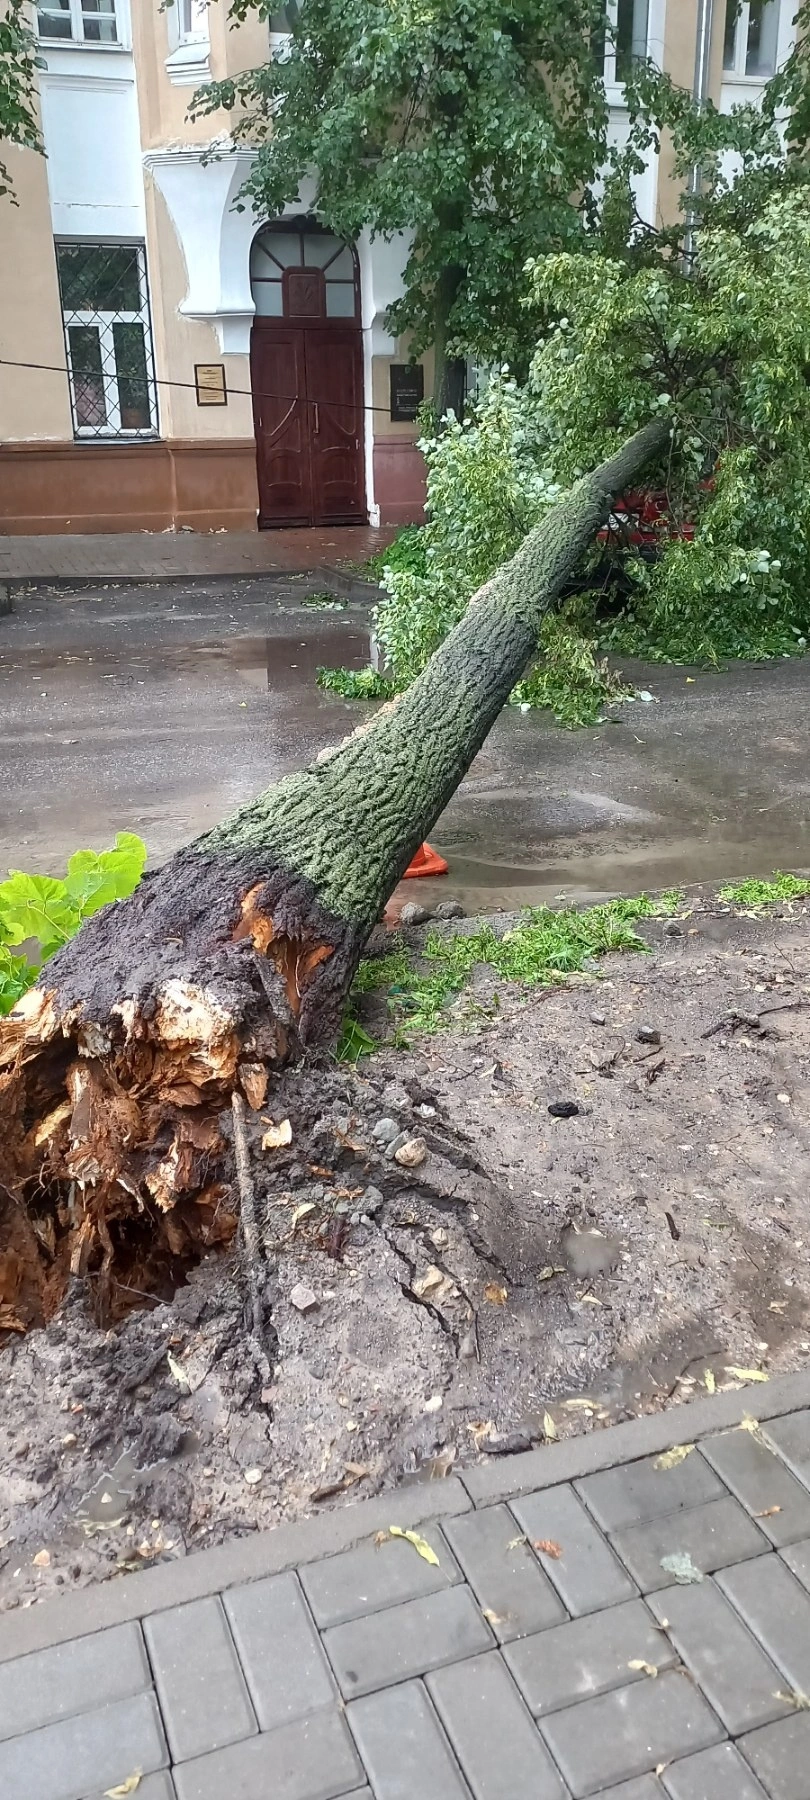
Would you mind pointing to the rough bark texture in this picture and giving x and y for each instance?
(223, 964)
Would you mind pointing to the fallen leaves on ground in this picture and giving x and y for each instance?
(549, 1428)
(769, 1512)
(420, 1544)
(709, 1382)
(671, 1458)
(495, 1294)
(178, 1371)
(643, 1668)
(120, 1792)
(547, 1547)
(748, 1424)
(746, 1374)
(42, 1560)
(681, 1566)
(277, 1136)
(793, 1697)
(493, 1618)
(587, 1405)
(513, 1542)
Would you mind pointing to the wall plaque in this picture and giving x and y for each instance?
(209, 380)
(407, 390)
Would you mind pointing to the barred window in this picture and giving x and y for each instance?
(105, 309)
(78, 21)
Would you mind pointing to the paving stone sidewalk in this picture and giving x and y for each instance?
(550, 1649)
(170, 555)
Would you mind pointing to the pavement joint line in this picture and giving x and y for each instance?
(292, 1544)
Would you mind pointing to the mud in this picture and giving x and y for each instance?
(612, 1257)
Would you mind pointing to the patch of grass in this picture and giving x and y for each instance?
(545, 948)
(766, 893)
(356, 684)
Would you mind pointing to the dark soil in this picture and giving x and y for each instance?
(461, 1305)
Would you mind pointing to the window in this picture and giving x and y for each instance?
(624, 42)
(109, 345)
(192, 20)
(751, 38)
(78, 21)
(298, 271)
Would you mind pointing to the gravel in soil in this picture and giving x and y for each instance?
(426, 1310)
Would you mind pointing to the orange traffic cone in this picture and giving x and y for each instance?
(425, 862)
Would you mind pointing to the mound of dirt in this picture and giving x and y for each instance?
(599, 1194)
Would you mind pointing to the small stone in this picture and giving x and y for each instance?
(412, 1153)
(563, 1109)
(69, 1440)
(468, 1346)
(402, 1138)
(598, 1018)
(648, 1034)
(449, 909)
(253, 1477)
(413, 914)
(372, 1200)
(508, 1443)
(433, 1404)
(673, 929)
(425, 1111)
(303, 1298)
(385, 1131)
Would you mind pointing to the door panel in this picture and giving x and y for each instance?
(335, 393)
(278, 378)
(308, 412)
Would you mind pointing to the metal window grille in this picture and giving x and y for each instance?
(108, 339)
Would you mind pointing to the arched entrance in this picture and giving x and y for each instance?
(307, 376)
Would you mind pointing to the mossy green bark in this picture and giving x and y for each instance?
(351, 823)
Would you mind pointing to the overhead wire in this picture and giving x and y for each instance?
(8, 362)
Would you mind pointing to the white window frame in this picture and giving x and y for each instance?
(189, 61)
(614, 87)
(103, 322)
(736, 70)
(77, 39)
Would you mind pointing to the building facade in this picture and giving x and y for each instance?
(169, 360)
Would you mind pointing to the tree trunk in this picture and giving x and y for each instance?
(449, 372)
(238, 953)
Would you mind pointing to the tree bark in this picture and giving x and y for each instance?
(449, 372)
(238, 953)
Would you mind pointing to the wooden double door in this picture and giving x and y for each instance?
(307, 383)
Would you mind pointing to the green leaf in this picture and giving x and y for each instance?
(36, 906)
(16, 975)
(93, 880)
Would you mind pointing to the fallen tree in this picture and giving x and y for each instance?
(236, 955)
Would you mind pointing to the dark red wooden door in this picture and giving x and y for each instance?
(308, 413)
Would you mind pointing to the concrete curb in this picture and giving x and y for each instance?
(306, 1540)
(636, 1438)
(210, 1571)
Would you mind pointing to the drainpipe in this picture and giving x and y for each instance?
(700, 94)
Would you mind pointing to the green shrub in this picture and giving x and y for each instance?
(45, 911)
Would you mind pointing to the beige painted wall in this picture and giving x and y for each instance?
(34, 404)
(182, 342)
(164, 107)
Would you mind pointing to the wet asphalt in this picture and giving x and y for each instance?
(159, 707)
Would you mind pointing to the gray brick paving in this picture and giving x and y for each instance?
(586, 1574)
(639, 1491)
(375, 1576)
(403, 1746)
(629, 1732)
(734, 1673)
(502, 1675)
(797, 1557)
(406, 1640)
(504, 1573)
(780, 1756)
(760, 1480)
(590, 1656)
(717, 1774)
(72, 1678)
(493, 1735)
(98, 1749)
(281, 1654)
(712, 1535)
(777, 1610)
(312, 1759)
(791, 1436)
(201, 1687)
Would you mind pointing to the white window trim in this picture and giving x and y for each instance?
(78, 41)
(189, 61)
(614, 89)
(736, 73)
(103, 322)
